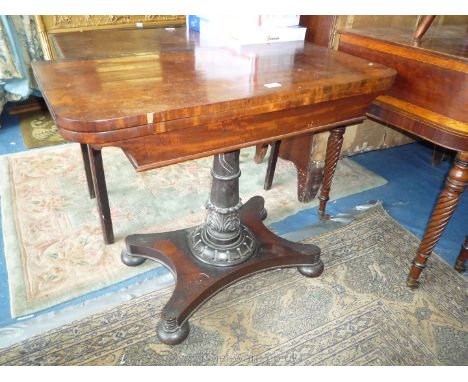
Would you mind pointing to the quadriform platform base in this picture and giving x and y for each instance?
(232, 244)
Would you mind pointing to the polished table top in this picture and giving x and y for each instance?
(167, 96)
(430, 94)
(178, 77)
(444, 40)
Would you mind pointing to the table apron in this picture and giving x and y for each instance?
(162, 149)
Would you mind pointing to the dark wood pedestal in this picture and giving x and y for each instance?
(232, 244)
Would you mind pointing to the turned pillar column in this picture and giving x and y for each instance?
(223, 240)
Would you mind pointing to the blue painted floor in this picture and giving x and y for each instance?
(11, 140)
(409, 196)
(412, 189)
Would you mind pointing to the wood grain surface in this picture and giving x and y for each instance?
(170, 97)
(425, 78)
(200, 82)
(430, 96)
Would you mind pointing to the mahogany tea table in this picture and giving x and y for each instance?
(200, 100)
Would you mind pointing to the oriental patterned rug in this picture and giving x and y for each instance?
(359, 312)
(39, 130)
(53, 243)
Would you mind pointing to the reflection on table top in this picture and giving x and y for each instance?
(121, 42)
(159, 75)
(450, 40)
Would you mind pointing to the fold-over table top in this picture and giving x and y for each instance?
(161, 75)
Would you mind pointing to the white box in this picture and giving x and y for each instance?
(245, 30)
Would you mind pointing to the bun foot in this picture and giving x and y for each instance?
(130, 260)
(170, 333)
(197, 281)
(312, 270)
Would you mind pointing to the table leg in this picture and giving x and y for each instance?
(275, 146)
(87, 167)
(309, 173)
(461, 259)
(334, 144)
(439, 154)
(455, 184)
(232, 244)
(260, 152)
(100, 188)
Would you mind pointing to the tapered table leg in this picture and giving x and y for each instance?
(334, 144)
(231, 245)
(461, 259)
(455, 184)
(87, 168)
(270, 173)
(100, 188)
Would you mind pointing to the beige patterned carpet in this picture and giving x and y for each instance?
(359, 312)
(53, 242)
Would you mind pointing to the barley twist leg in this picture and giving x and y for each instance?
(455, 184)
(334, 144)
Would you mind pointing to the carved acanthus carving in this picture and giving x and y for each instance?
(223, 219)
